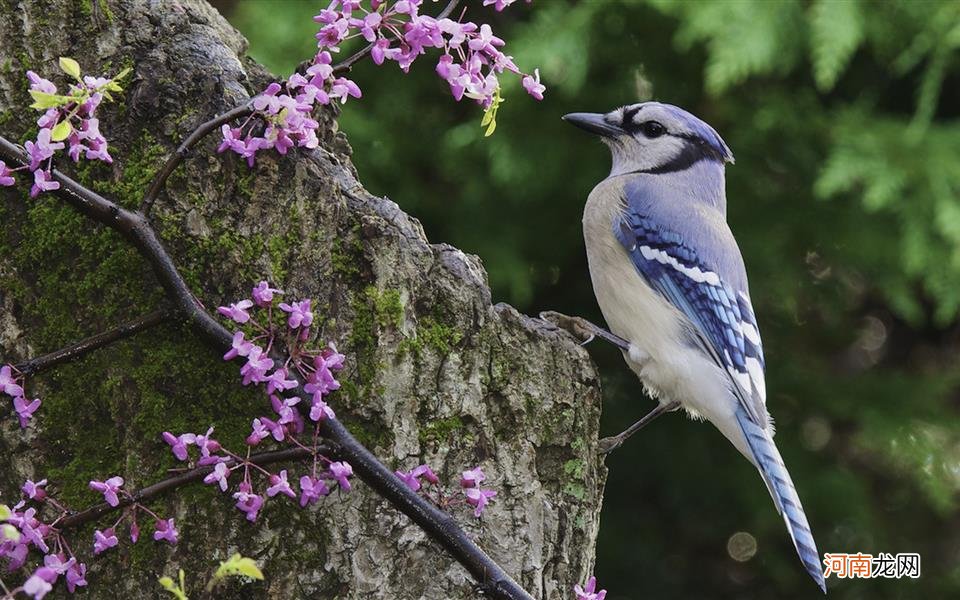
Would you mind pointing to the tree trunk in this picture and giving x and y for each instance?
(435, 373)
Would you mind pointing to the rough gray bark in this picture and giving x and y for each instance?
(436, 373)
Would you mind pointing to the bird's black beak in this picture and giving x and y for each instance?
(594, 123)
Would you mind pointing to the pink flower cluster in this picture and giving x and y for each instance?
(471, 62)
(315, 368)
(476, 496)
(469, 482)
(68, 121)
(31, 532)
(320, 482)
(11, 384)
(112, 490)
(471, 58)
(286, 114)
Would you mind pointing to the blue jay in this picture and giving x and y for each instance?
(672, 287)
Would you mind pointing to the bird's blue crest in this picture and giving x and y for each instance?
(702, 130)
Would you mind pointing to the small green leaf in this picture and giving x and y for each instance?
(177, 592)
(43, 100)
(487, 118)
(238, 565)
(70, 67)
(5, 512)
(9, 532)
(61, 131)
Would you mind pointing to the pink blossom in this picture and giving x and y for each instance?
(43, 182)
(165, 530)
(239, 347)
(39, 84)
(40, 583)
(257, 366)
(248, 502)
(472, 478)
(76, 577)
(533, 85)
(289, 416)
(498, 5)
(25, 409)
(8, 383)
(341, 472)
(412, 478)
(58, 563)
(588, 592)
(311, 490)
(232, 139)
(263, 294)
(104, 540)
(320, 410)
(218, 475)
(237, 312)
(34, 491)
(179, 444)
(276, 429)
(6, 175)
(32, 531)
(300, 315)
(277, 381)
(258, 433)
(16, 557)
(478, 498)
(42, 149)
(206, 443)
(109, 489)
(279, 485)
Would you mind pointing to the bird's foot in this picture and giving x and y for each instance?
(582, 329)
(609, 444)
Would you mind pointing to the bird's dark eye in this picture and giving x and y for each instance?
(652, 129)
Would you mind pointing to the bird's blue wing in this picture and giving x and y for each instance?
(722, 321)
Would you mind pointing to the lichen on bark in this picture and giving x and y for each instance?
(436, 372)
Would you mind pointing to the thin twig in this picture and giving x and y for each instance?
(178, 481)
(439, 525)
(74, 351)
(182, 151)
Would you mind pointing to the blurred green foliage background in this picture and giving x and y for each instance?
(845, 198)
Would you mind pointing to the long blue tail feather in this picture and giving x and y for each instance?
(778, 481)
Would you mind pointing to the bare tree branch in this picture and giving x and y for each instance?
(160, 179)
(74, 351)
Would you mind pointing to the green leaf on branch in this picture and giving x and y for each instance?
(237, 566)
(178, 592)
(62, 131)
(70, 67)
(490, 115)
(43, 100)
(9, 532)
